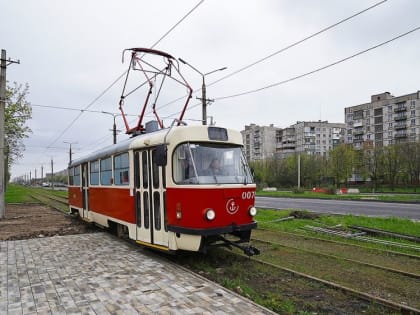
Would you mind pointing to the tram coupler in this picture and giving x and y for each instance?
(248, 250)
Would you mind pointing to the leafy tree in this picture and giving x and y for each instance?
(341, 163)
(374, 165)
(18, 110)
(392, 163)
(411, 158)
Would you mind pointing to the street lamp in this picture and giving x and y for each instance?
(114, 126)
(203, 87)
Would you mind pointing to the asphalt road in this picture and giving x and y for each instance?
(368, 208)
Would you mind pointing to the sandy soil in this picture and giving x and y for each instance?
(25, 221)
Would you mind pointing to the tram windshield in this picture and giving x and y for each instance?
(209, 163)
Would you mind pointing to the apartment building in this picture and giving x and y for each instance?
(259, 141)
(385, 120)
(311, 137)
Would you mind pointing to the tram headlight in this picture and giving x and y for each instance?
(210, 214)
(252, 211)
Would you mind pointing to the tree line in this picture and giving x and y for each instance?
(376, 167)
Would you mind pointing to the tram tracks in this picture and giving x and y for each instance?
(404, 309)
(391, 295)
(402, 272)
(55, 202)
(384, 285)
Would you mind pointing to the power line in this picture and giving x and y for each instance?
(283, 49)
(115, 81)
(69, 108)
(298, 42)
(318, 69)
(89, 105)
(177, 23)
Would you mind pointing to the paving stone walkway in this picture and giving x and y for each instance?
(99, 274)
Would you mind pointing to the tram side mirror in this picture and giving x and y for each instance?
(161, 155)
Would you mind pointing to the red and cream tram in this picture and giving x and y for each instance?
(180, 188)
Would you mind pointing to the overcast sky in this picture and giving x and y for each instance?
(70, 52)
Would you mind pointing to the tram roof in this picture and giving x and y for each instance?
(183, 133)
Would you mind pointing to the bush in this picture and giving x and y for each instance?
(298, 190)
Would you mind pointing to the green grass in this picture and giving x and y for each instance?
(266, 219)
(21, 194)
(59, 193)
(18, 194)
(309, 194)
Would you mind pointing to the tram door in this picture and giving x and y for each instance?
(150, 195)
(85, 190)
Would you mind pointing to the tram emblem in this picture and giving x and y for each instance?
(231, 206)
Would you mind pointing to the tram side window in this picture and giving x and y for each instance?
(76, 176)
(94, 173)
(106, 171)
(121, 169)
(71, 176)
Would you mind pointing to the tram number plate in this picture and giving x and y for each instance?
(248, 195)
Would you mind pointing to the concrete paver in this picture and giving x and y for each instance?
(100, 274)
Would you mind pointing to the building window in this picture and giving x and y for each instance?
(378, 111)
(413, 122)
(413, 113)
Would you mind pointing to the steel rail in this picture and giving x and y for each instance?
(362, 238)
(41, 198)
(342, 243)
(364, 296)
(401, 272)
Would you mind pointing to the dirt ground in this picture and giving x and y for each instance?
(25, 221)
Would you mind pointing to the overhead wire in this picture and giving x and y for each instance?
(321, 68)
(297, 43)
(119, 77)
(85, 109)
(282, 49)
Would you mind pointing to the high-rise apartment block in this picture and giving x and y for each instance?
(313, 137)
(384, 121)
(259, 141)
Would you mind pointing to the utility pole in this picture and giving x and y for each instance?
(70, 152)
(114, 126)
(3, 167)
(52, 173)
(204, 99)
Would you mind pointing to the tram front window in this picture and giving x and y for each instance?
(209, 163)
